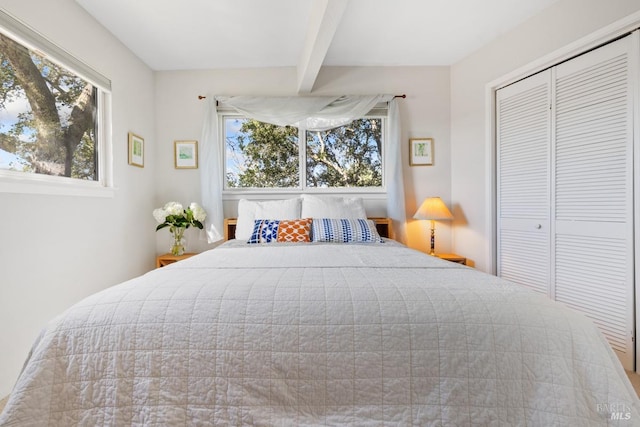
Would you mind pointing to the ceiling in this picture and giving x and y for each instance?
(204, 34)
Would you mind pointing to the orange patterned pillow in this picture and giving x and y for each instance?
(295, 230)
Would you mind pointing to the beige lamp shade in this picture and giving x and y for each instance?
(433, 208)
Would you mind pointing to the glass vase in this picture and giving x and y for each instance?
(179, 243)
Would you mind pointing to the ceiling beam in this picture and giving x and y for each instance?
(323, 22)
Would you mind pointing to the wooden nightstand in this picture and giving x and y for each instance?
(453, 258)
(166, 259)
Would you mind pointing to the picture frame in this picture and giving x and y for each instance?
(136, 150)
(421, 151)
(185, 154)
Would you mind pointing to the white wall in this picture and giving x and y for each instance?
(55, 250)
(552, 29)
(425, 113)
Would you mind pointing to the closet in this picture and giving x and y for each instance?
(565, 174)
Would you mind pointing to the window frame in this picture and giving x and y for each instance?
(232, 193)
(33, 183)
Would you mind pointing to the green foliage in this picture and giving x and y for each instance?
(267, 156)
(84, 159)
(346, 156)
(179, 221)
(270, 153)
(8, 142)
(8, 85)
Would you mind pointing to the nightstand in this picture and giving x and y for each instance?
(453, 258)
(166, 259)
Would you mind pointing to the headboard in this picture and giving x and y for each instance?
(383, 225)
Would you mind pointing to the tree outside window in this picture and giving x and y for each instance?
(47, 116)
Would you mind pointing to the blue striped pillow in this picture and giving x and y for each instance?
(344, 230)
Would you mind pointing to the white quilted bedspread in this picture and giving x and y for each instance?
(363, 335)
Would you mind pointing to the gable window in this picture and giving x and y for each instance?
(266, 156)
(52, 110)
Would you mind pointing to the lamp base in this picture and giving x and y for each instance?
(433, 238)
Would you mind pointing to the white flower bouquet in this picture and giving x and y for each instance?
(174, 215)
(178, 219)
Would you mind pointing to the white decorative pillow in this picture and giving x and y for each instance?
(332, 207)
(344, 231)
(249, 211)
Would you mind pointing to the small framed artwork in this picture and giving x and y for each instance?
(136, 150)
(186, 154)
(421, 151)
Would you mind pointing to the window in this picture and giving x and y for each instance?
(51, 109)
(261, 155)
(346, 156)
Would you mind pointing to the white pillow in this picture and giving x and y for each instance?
(332, 207)
(249, 211)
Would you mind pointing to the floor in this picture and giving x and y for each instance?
(635, 381)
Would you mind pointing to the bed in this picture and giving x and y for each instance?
(320, 333)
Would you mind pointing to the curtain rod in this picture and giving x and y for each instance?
(396, 96)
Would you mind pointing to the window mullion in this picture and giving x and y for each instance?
(302, 157)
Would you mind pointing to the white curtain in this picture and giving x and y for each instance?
(316, 113)
(211, 183)
(395, 182)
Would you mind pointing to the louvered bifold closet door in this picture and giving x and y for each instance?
(523, 184)
(593, 185)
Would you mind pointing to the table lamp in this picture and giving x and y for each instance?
(433, 208)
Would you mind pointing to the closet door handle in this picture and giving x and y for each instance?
(539, 226)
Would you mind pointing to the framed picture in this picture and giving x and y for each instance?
(421, 152)
(186, 154)
(136, 150)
